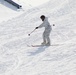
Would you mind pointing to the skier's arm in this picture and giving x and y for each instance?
(40, 26)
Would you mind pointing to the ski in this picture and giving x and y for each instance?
(36, 45)
(44, 45)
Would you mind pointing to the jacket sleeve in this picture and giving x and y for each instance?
(40, 26)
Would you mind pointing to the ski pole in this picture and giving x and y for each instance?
(31, 32)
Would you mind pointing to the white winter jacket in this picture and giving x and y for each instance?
(47, 26)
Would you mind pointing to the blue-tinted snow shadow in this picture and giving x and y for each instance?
(38, 50)
(6, 4)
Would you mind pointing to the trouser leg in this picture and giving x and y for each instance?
(48, 40)
(44, 39)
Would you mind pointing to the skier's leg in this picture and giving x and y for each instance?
(44, 38)
(48, 41)
(47, 38)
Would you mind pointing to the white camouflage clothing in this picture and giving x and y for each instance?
(47, 31)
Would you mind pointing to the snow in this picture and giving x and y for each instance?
(7, 11)
(32, 3)
(16, 58)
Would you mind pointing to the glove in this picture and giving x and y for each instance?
(36, 28)
(53, 24)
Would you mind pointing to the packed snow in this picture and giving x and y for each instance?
(8, 11)
(17, 58)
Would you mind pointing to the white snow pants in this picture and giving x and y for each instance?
(46, 38)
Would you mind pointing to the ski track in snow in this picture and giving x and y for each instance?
(16, 58)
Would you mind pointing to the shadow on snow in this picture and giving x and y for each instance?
(38, 50)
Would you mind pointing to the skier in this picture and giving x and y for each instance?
(46, 33)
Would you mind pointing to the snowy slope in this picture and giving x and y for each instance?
(8, 11)
(16, 58)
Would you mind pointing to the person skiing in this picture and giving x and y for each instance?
(46, 33)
